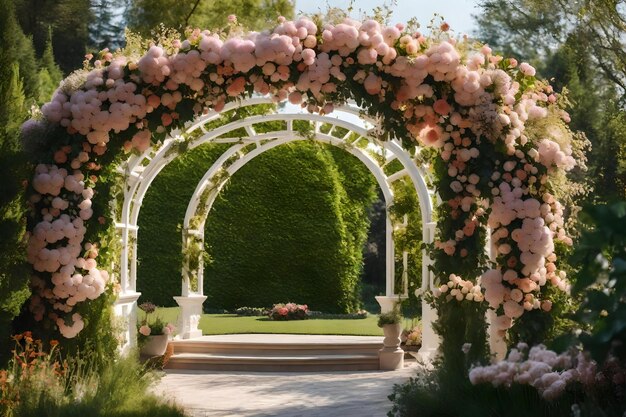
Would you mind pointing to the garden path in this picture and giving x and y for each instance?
(284, 394)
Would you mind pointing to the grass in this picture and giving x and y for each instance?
(232, 324)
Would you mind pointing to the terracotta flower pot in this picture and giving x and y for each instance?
(155, 345)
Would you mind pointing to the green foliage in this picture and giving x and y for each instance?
(288, 227)
(390, 317)
(407, 238)
(577, 44)
(162, 212)
(601, 255)
(50, 74)
(433, 394)
(251, 311)
(145, 15)
(75, 387)
(13, 171)
(69, 21)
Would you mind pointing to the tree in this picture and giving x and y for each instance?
(13, 111)
(50, 74)
(578, 44)
(69, 21)
(107, 30)
(536, 28)
(145, 15)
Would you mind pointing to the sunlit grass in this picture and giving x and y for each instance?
(231, 324)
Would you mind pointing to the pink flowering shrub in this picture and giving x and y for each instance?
(289, 311)
(550, 373)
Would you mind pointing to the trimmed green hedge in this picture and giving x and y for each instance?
(162, 213)
(289, 226)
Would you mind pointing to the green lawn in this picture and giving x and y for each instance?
(230, 323)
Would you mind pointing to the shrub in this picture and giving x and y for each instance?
(289, 311)
(251, 311)
(39, 382)
(390, 317)
(361, 314)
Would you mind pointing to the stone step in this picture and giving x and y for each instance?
(275, 352)
(260, 363)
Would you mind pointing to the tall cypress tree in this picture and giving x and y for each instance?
(107, 30)
(13, 269)
(50, 74)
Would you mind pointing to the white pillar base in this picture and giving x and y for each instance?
(190, 313)
(388, 303)
(126, 308)
(497, 343)
(430, 339)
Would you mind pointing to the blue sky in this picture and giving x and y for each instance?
(458, 13)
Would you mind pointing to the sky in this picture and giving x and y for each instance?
(458, 13)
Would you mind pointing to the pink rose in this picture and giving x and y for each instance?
(145, 330)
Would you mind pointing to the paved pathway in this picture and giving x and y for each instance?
(262, 394)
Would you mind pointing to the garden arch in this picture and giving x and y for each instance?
(141, 170)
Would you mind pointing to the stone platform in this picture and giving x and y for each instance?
(276, 353)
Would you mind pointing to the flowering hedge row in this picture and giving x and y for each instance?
(499, 133)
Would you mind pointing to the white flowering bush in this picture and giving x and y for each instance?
(499, 136)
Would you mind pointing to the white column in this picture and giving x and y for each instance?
(389, 256)
(133, 260)
(430, 340)
(124, 281)
(126, 308)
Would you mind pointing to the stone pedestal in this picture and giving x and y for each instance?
(190, 313)
(391, 356)
(388, 303)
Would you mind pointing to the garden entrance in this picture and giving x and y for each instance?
(347, 127)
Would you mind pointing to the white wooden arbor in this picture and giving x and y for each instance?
(141, 170)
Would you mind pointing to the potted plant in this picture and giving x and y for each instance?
(391, 323)
(412, 340)
(153, 334)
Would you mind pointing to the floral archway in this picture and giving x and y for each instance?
(498, 139)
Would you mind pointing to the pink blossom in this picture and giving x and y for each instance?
(145, 330)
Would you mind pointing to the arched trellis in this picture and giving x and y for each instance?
(141, 170)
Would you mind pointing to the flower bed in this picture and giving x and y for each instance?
(251, 311)
(289, 311)
(361, 314)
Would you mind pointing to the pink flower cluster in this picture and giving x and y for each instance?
(55, 245)
(289, 311)
(550, 373)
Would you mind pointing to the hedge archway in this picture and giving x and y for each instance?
(499, 144)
